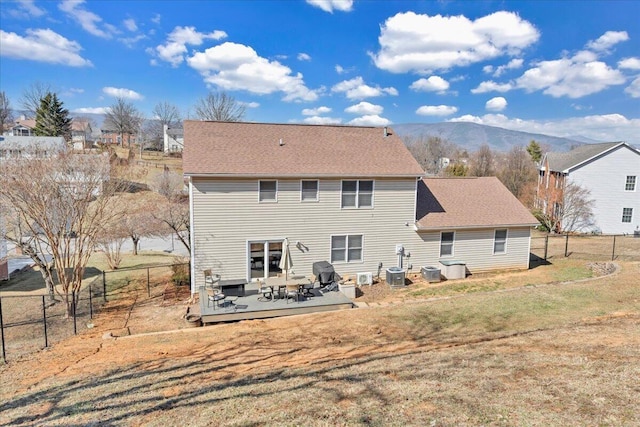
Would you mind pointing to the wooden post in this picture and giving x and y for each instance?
(566, 246)
(104, 286)
(4, 354)
(90, 303)
(44, 321)
(148, 285)
(73, 304)
(546, 246)
(613, 252)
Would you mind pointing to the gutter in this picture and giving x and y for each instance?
(295, 176)
(473, 227)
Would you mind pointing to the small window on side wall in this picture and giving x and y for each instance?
(309, 191)
(268, 191)
(627, 215)
(500, 242)
(446, 243)
(630, 184)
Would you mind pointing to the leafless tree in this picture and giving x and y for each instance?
(32, 96)
(168, 184)
(429, 151)
(174, 214)
(219, 107)
(518, 172)
(63, 201)
(483, 162)
(573, 213)
(124, 118)
(6, 115)
(164, 114)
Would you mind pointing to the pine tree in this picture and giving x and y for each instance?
(51, 118)
(535, 151)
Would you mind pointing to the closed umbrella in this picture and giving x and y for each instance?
(285, 260)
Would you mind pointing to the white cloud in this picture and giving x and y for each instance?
(91, 110)
(174, 49)
(131, 41)
(331, 5)
(487, 69)
(317, 120)
(42, 46)
(634, 88)
(436, 110)
(130, 24)
(121, 93)
(339, 69)
(432, 84)
(91, 22)
(76, 90)
(607, 40)
(491, 86)
(511, 65)
(608, 127)
(630, 63)
(423, 43)
(357, 89)
(31, 10)
(156, 18)
(251, 104)
(370, 120)
(365, 109)
(496, 104)
(304, 57)
(234, 66)
(316, 111)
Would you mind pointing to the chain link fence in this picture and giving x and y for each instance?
(593, 248)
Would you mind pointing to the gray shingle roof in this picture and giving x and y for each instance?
(561, 162)
(447, 203)
(254, 149)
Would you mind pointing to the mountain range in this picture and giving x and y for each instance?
(471, 136)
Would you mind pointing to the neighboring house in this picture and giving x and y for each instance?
(31, 146)
(609, 171)
(109, 135)
(81, 133)
(173, 139)
(348, 195)
(22, 127)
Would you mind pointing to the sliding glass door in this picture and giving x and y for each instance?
(264, 258)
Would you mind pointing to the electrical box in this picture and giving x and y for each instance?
(399, 249)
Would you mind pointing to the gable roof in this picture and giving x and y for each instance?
(450, 203)
(27, 123)
(563, 162)
(293, 150)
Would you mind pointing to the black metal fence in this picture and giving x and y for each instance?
(29, 323)
(589, 247)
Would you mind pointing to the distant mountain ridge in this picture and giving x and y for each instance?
(472, 136)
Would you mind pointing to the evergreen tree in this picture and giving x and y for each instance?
(51, 118)
(535, 151)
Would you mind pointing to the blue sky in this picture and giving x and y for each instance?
(562, 68)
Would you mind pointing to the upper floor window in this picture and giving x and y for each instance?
(268, 191)
(630, 184)
(627, 214)
(309, 191)
(346, 248)
(446, 243)
(357, 194)
(500, 241)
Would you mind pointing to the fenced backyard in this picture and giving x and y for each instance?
(31, 322)
(546, 247)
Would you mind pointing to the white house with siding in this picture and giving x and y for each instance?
(611, 173)
(345, 194)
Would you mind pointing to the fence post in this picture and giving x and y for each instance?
(566, 246)
(148, 285)
(104, 286)
(73, 304)
(546, 246)
(90, 302)
(4, 354)
(44, 322)
(613, 253)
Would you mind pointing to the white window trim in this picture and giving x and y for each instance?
(506, 239)
(317, 199)
(268, 201)
(630, 218)
(453, 245)
(357, 206)
(346, 249)
(635, 184)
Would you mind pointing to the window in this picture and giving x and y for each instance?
(446, 243)
(357, 194)
(309, 191)
(500, 242)
(627, 214)
(630, 185)
(268, 190)
(346, 248)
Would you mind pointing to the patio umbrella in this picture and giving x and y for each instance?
(285, 260)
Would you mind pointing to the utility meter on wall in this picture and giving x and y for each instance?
(399, 249)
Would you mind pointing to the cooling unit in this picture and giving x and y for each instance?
(364, 279)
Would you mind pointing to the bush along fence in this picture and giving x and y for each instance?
(33, 322)
(591, 247)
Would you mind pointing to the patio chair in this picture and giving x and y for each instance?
(214, 296)
(292, 292)
(266, 293)
(211, 279)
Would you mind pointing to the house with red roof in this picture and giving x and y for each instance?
(352, 196)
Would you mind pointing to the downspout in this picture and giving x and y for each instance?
(192, 239)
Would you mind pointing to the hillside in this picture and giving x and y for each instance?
(471, 136)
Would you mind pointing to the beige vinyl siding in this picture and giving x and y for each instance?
(475, 248)
(227, 214)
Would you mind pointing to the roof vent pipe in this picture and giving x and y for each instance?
(281, 142)
(386, 133)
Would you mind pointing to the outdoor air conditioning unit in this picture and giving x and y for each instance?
(364, 279)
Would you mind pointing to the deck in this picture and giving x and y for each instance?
(249, 307)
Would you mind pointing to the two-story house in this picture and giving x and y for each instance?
(345, 194)
(609, 171)
(173, 139)
(81, 133)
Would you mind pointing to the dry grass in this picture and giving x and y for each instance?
(566, 354)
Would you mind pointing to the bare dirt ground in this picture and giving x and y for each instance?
(561, 354)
